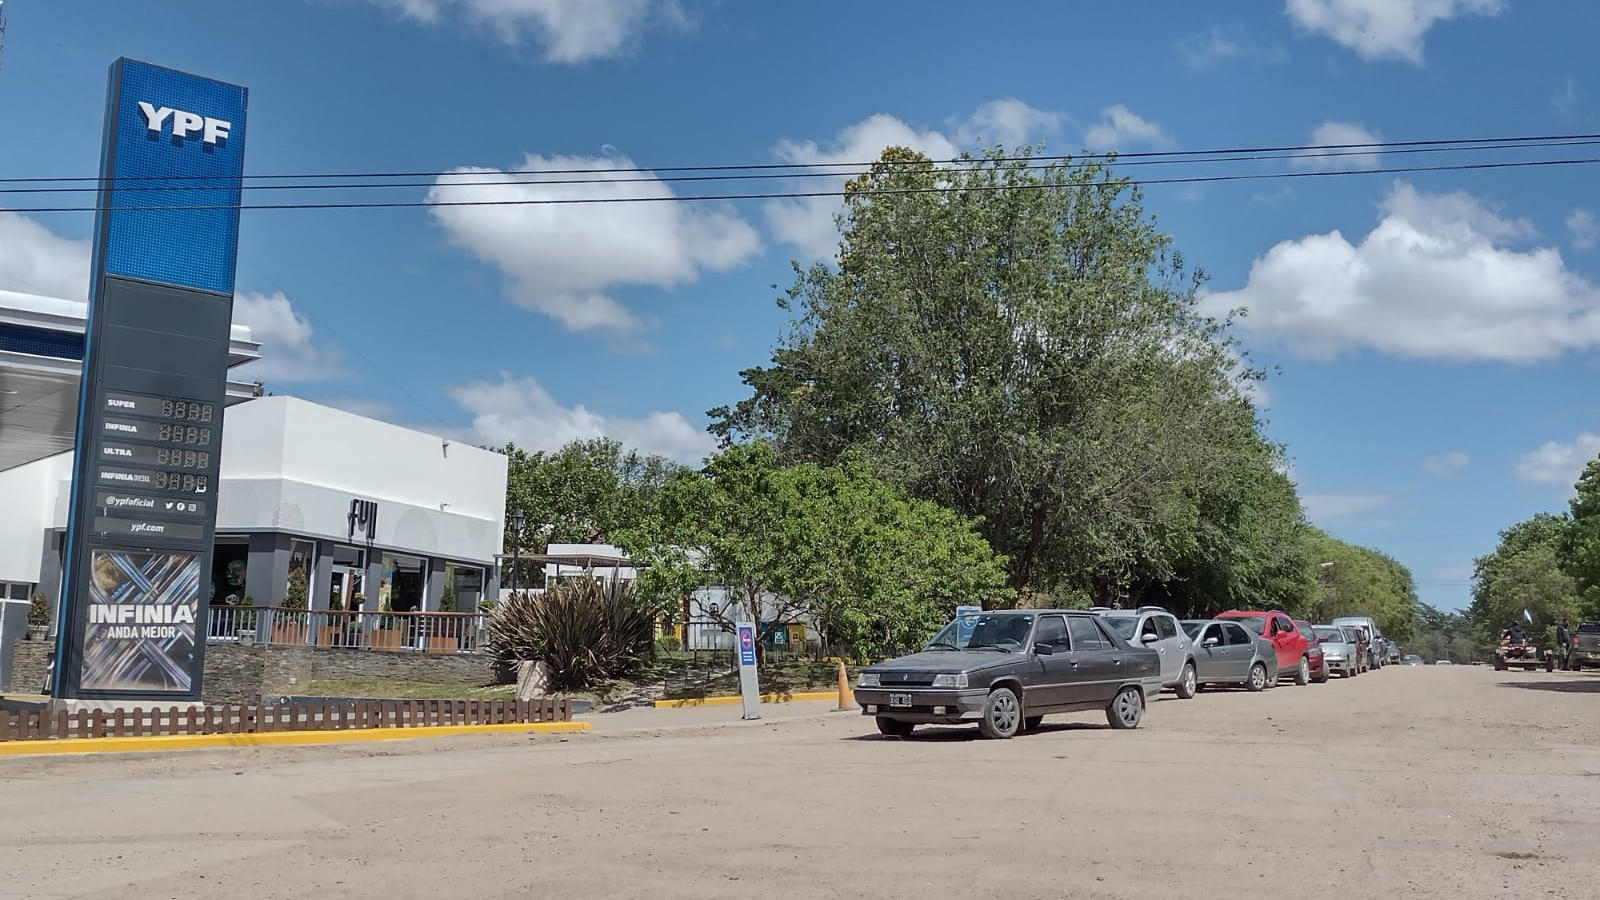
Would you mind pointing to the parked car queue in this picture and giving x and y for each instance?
(1005, 670)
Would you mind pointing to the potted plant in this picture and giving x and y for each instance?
(292, 627)
(444, 634)
(38, 618)
(388, 631)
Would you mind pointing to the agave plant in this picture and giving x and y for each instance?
(585, 631)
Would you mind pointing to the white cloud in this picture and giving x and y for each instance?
(288, 350)
(1334, 134)
(1378, 29)
(1120, 128)
(807, 223)
(1321, 507)
(1567, 99)
(568, 31)
(1007, 121)
(1557, 462)
(1435, 279)
(36, 260)
(1583, 229)
(1204, 48)
(519, 410)
(1446, 465)
(562, 258)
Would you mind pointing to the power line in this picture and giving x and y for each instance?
(785, 195)
(742, 176)
(1226, 154)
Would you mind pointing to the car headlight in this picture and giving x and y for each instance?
(869, 679)
(950, 681)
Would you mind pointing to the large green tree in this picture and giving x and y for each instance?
(1579, 548)
(873, 570)
(589, 491)
(1361, 581)
(1523, 573)
(1014, 339)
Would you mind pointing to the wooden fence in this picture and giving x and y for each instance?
(30, 725)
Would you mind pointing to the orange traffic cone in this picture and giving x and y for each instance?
(846, 700)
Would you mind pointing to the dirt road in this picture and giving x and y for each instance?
(1412, 782)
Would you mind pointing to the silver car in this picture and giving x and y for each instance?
(1157, 629)
(1227, 653)
(1340, 652)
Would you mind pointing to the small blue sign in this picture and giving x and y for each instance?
(747, 645)
(966, 621)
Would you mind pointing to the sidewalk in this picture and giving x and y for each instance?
(645, 718)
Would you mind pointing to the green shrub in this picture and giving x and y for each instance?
(447, 600)
(294, 597)
(584, 630)
(39, 611)
(669, 643)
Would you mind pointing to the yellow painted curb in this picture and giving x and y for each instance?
(734, 701)
(274, 738)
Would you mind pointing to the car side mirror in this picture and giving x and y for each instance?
(1209, 642)
(1044, 649)
(1149, 636)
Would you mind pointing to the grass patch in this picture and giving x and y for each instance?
(786, 676)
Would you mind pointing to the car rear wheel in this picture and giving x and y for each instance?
(1186, 682)
(1002, 714)
(1549, 663)
(894, 727)
(1126, 708)
(1258, 677)
(1302, 675)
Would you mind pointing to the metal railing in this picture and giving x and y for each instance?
(416, 632)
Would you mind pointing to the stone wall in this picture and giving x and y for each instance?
(252, 674)
(30, 665)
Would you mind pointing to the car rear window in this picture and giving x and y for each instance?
(1255, 624)
(1122, 625)
(1589, 627)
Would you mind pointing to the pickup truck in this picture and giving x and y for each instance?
(1585, 649)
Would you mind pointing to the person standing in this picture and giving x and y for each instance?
(1563, 641)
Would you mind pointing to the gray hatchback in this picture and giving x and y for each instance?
(1007, 670)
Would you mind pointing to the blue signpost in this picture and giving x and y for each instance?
(749, 683)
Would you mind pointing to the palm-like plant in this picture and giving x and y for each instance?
(586, 631)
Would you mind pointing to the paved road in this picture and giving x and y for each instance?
(1412, 782)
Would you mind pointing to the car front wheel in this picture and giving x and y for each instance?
(894, 727)
(1186, 682)
(1002, 714)
(1258, 677)
(1126, 708)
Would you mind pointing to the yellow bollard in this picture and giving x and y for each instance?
(846, 700)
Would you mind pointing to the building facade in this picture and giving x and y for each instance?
(316, 506)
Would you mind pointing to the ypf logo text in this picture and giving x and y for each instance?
(183, 124)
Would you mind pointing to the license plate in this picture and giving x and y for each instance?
(900, 700)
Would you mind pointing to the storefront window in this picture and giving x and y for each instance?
(466, 586)
(404, 584)
(229, 563)
(346, 579)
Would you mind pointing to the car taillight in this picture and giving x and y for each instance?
(1574, 640)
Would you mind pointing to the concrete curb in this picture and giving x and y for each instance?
(735, 700)
(274, 738)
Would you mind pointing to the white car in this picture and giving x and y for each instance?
(1154, 627)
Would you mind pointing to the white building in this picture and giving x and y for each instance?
(359, 508)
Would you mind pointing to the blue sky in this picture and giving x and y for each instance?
(1435, 333)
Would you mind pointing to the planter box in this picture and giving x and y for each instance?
(444, 644)
(387, 638)
(329, 635)
(289, 634)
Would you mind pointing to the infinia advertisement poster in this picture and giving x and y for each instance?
(140, 631)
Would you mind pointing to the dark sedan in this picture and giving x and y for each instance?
(1006, 670)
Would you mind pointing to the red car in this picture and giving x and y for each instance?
(1319, 666)
(1294, 657)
